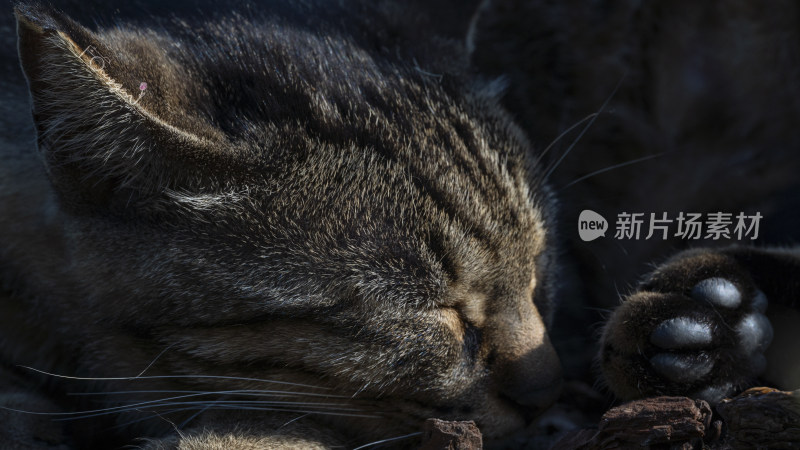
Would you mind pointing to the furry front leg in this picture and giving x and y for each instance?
(236, 431)
(699, 326)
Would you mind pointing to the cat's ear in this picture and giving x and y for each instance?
(99, 134)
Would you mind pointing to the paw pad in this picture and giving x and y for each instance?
(681, 332)
(718, 292)
(690, 345)
(682, 368)
(755, 333)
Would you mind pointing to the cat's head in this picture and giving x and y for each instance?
(259, 199)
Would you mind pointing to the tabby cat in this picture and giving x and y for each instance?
(311, 224)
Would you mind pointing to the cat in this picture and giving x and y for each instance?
(317, 224)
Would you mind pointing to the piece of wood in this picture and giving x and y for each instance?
(444, 435)
(762, 418)
(757, 418)
(677, 422)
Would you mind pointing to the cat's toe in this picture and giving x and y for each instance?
(686, 335)
(699, 347)
(681, 332)
(754, 333)
(717, 292)
(686, 368)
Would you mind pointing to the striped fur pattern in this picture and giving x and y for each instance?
(323, 222)
(293, 199)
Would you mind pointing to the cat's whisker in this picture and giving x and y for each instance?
(222, 405)
(585, 129)
(422, 71)
(341, 409)
(293, 420)
(383, 441)
(339, 406)
(243, 392)
(193, 416)
(324, 413)
(607, 169)
(101, 411)
(114, 409)
(558, 138)
(160, 377)
(160, 415)
(154, 359)
(192, 405)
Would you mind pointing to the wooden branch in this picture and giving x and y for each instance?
(762, 418)
(443, 435)
(647, 422)
(757, 418)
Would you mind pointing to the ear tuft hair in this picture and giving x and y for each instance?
(96, 137)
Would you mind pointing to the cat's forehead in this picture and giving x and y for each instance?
(420, 173)
(241, 74)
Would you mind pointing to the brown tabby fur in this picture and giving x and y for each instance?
(333, 202)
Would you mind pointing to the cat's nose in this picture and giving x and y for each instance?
(536, 398)
(532, 381)
(526, 370)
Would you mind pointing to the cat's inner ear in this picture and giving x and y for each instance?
(105, 122)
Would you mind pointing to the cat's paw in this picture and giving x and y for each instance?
(696, 327)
